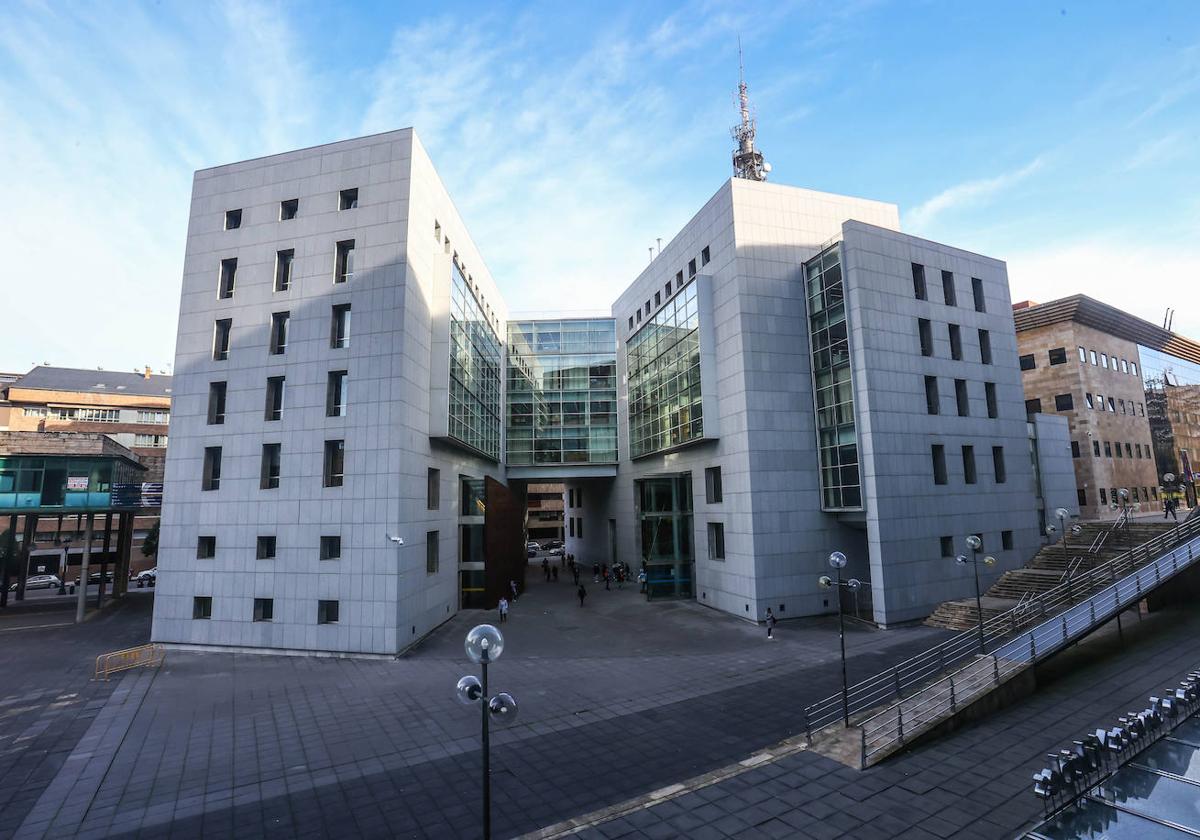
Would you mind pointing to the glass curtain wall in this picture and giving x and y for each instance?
(663, 358)
(837, 438)
(665, 521)
(474, 372)
(1173, 409)
(562, 392)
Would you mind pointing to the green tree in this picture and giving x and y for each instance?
(150, 544)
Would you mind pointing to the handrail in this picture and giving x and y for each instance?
(917, 671)
(905, 718)
(1072, 567)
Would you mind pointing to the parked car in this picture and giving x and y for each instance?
(532, 546)
(531, 552)
(557, 551)
(147, 576)
(94, 578)
(552, 544)
(39, 582)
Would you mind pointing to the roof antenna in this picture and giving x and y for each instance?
(748, 162)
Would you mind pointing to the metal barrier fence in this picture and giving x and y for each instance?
(903, 720)
(918, 671)
(123, 660)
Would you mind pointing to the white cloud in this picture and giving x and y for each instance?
(1156, 151)
(1142, 279)
(968, 194)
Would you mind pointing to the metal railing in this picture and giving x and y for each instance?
(122, 660)
(890, 728)
(914, 673)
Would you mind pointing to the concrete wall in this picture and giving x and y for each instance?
(1056, 469)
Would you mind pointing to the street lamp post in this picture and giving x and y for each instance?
(974, 543)
(62, 567)
(483, 645)
(1168, 481)
(1063, 515)
(838, 561)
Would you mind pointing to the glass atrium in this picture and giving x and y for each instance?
(474, 372)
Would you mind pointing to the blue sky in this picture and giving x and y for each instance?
(1061, 137)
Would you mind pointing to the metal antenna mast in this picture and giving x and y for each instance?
(748, 162)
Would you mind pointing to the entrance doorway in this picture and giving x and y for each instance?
(665, 521)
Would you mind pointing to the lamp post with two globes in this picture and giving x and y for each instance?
(838, 561)
(974, 543)
(483, 645)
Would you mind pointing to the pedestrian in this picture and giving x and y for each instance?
(1174, 506)
(554, 574)
(575, 572)
(512, 584)
(546, 569)
(582, 594)
(503, 610)
(595, 573)
(770, 624)
(642, 580)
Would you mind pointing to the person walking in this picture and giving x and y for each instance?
(582, 593)
(595, 573)
(642, 580)
(512, 584)
(546, 569)
(575, 573)
(1169, 508)
(607, 577)
(503, 610)
(770, 624)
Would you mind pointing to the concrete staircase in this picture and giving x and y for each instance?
(1047, 569)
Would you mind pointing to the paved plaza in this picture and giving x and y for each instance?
(617, 699)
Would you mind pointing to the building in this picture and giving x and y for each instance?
(791, 375)
(544, 517)
(1130, 392)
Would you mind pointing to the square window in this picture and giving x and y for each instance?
(1064, 402)
(335, 456)
(1027, 362)
(432, 555)
(216, 403)
(222, 327)
(343, 264)
(228, 278)
(938, 454)
(264, 609)
(433, 489)
(977, 293)
(968, 460)
(1006, 540)
(1058, 356)
(288, 208)
(274, 405)
(716, 541)
(1033, 406)
(233, 219)
(918, 275)
(269, 470)
(712, 485)
(206, 548)
(265, 549)
(327, 612)
(336, 394)
(283, 269)
(279, 331)
(202, 607)
(331, 548)
(348, 199)
(955, 342)
(932, 398)
(704, 256)
(947, 546)
(948, 289)
(211, 479)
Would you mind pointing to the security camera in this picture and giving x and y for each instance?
(396, 540)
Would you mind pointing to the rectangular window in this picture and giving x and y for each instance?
(265, 549)
(202, 607)
(631, 322)
(1033, 406)
(1133, 368)
(579, 527)
(1100, 404)
(1104, 360)
(716, 541)
(274, 404)
(925, 331)
(283, 269)
(1006, 540)
(667, 289)
(279, 330)
(977, 293)
(431, 552)
(228, 278)
(985, 347)
(639, 316)
(222, 327)
(331, 548)
(288, 208)
(348, 199)
(335, 455)
(961, 398)
(1112, 404)
(1064, 402)
(1096, 448)
(216, 403)
(1121, 403)
(327, 612)
(1103, 496)
(156, 441)
(1107, 449)
(932, 399)
(1082, 356)
(335, 394)
(233, 219)
(691, 268)
(339, 329)
(1087, 398)
(343, 266)
(1027, 362)
(1058, 356)
(433, 489)
(998, 464)
(570, 497)
(948, 289)
(212, 468)
(989, 394)
(647, 308)
(947, 546)
(712, 485)
(1141, 410)
(268, 476)
(1081, 496)
(571, 526)
(658, 299)
(264, 609)
(955, 342)
(1128, 450)
(704, 256)
(968, 461)
(918, 275)
(1092, 355)
(938, 452)
(1124, 366)
(206, 547)
(1074, 449)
